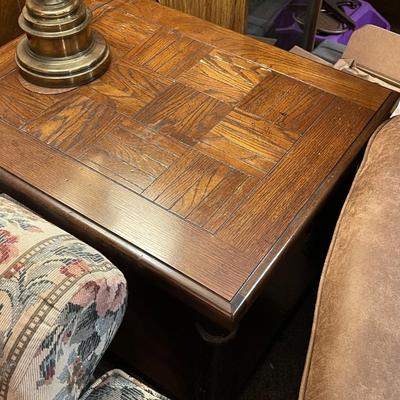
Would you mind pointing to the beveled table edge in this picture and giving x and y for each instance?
(195, 294)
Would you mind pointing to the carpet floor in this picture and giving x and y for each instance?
(278, 377)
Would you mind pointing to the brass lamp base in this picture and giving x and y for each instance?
(65, 71)
(60, 50)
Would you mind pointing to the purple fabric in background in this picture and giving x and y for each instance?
(290, 33)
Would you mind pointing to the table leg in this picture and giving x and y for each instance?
(217, 367)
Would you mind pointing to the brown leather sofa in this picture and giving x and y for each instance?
(354, 351)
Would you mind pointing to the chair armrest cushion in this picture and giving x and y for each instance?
(117, 385)
(61, 303)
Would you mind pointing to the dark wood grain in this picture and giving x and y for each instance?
(169, 53)
(230, 14)
(7, 58)
(81, 188)
(24, 105)
(197, 150)
(247, 142)
(123, 30)
(276, 202)
(320, 199)
(73, 122)
(9, 13)
(287, 104)
(224, 76)
(183, 113)
(222, 201)
(127, 88)
(96, 4)
(300, 68)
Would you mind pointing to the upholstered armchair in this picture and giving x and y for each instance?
(61, 303)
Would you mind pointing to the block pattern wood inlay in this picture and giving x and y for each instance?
(123, 30)
(17, 110)
(199, 147)
(169, 53)
(224, 76)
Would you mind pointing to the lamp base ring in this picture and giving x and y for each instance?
(64, 72)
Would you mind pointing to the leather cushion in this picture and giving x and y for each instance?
(354, 351)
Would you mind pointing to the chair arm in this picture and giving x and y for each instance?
(117, 385)
(61, 303)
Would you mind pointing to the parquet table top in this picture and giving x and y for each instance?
(201, 150)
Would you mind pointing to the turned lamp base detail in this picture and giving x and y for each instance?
(60, 50)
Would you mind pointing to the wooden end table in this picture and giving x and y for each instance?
(196, 162)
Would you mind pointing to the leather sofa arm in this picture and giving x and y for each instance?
(354, 351)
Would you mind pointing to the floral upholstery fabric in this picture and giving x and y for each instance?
(61, 303)
(116, 385)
